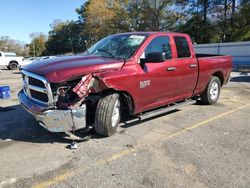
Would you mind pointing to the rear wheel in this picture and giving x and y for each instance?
(108, 114)
(13, 66)
(212, 91)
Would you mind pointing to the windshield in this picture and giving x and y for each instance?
(116, 46)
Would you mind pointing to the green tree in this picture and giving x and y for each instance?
(198, 20)
(241, 29)
(205, 20)
(103, 17)
(37, 45)
(158, 15)
(213, 20)
(65, 37)
(97, 16)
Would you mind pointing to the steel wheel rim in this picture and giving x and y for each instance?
(13, 66)
(116, 113)
(214, 91)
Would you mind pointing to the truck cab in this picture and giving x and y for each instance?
(178, 70)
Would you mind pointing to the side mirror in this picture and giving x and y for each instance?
(155, 57)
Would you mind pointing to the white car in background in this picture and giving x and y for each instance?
(45, 57)
(29, 60)
(10, 60)
(34, 59)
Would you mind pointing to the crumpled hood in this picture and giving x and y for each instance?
(60, 69)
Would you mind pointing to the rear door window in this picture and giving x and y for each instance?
(182, 47)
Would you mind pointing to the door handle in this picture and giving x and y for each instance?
(171, 68)
(193, 65)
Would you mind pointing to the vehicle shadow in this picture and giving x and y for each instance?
(18, 125)
(18, 72)
(240, 79)
(3, 68)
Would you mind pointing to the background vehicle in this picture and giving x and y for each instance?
(34, 59)
(129, 73)
(29, 60)
(10, 60)
(44, 57)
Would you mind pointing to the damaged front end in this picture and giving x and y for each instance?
(59, 107)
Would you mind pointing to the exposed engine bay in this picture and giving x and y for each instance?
(73, 93)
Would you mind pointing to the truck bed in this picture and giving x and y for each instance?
(210, 64)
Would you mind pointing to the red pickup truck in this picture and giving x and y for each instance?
(138, 73)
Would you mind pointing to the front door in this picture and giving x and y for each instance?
(157, 79)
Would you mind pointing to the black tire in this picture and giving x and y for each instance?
(212, 91)
(104, 113)
(13, 65)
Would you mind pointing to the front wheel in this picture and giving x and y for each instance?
(212, 91)
(108, 114)
(13, 66)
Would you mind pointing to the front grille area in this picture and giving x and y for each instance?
(36, 82)
(39, 96)
(37, 88)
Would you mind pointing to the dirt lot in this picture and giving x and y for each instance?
(196, 146)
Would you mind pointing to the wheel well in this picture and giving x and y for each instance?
(220, 76)
(13, 62)
(126, 99)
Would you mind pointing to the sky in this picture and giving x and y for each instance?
(20, 18)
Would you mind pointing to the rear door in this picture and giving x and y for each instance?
(186, 67)
(157, 84)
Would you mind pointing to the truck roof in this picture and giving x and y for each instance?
(147, 33)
